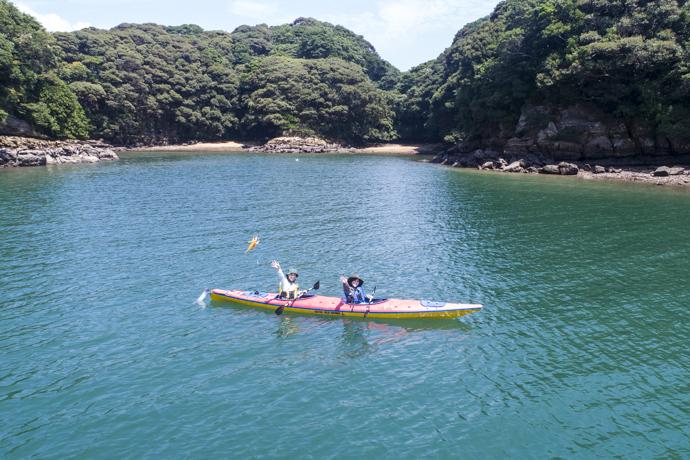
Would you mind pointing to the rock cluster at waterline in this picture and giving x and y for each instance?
(26, 151)
(663, 175)
(299, 145)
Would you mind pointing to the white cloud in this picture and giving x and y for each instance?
(402, 29)
(51, 21)
(259, 11)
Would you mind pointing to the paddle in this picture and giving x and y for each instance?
(371, 299)
(279, 310)
(371, 296)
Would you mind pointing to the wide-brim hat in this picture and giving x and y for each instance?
(355, 277)
(293, 271)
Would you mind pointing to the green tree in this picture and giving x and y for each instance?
(30, 87)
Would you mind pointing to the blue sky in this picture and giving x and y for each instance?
(405, 32)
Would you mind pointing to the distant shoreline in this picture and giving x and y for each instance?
(232, 146)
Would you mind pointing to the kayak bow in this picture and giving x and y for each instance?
(335, 306)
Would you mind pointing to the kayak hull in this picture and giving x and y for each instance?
(333, 306)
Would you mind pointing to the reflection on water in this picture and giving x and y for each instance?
(286, 327)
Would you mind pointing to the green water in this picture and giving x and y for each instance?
(581, 350)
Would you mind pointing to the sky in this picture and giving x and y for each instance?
(404, 32)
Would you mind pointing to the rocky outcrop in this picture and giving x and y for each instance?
(13, 126)
(26, 151)
(583, 132)
(665, 171)
(299, 145)
(580, 134)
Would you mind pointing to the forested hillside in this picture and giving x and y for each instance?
(140, 84)
(568, 78)
(30, 87)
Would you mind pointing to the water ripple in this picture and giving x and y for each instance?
(581, 350)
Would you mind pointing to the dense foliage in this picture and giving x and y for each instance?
(330, 97)
(627, 57)
(29, 85)
(308, 38)
(149, 83)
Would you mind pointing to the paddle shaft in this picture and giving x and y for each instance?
(279, 310)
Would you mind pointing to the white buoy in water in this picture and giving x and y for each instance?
(202, 298)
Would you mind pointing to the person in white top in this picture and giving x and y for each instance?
(288, 287)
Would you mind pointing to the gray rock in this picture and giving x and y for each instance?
(587, 167)
(567, 169)
(479, 155)
(613, 170)
(515, 166)
(662, 171)
(487, 165)
(516, 146)
(107, 154)
(28, 158)
(598, 146)
(599, 169)
(550, 169)
(23, 151)
(676, 171)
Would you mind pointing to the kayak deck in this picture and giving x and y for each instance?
(334, 306)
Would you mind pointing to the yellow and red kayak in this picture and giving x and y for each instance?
(334, 306)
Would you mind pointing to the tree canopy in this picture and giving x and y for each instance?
(30, 87)
(143, 83)
(147, 83)
(629, 58)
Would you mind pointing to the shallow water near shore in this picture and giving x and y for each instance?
(580, 351)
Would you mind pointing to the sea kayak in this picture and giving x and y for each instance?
(335, 306)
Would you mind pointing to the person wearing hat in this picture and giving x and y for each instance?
(353, 289)
(288, 287)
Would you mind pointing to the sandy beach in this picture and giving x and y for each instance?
(226, 146)
(232, 146)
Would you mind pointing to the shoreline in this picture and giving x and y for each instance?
(632, 175)
(232, 146)
(20, 151)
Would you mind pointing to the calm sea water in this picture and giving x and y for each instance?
(581, 350)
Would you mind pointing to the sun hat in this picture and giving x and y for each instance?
(355, 277)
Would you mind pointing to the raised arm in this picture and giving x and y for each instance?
(275, 264)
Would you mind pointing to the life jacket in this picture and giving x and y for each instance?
(354, 295)
(289, 294)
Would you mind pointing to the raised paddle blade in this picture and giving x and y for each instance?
(317, 285)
